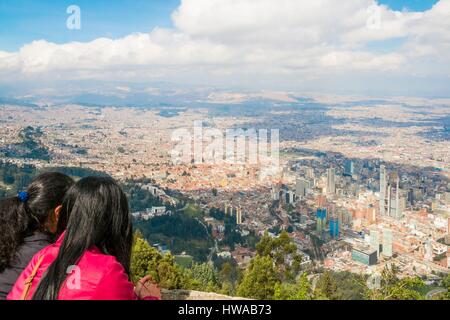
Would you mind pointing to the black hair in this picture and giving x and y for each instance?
(21, 218)
(97, 214)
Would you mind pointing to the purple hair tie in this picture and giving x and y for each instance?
(23, 196)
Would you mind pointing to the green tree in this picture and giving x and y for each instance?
(351, 286)
(259, 279)
(301, 290)
(327, 287)
(206, 277)
(146, 260)
(283, 251)
(394, 288)
(229, 276)
(446, 284)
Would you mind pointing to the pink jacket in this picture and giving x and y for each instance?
(101, 277)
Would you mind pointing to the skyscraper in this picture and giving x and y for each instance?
(321, 201)
(375, 241)
(310, 173)
(301, 187)
(334, 228)
(397, 201)
(321, 218)
(383, 190)
(348, 168)
(428, 256)
(331, 181)
(238, 216)
(387, 242)
(275, 192)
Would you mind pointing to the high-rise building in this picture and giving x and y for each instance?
(321, 201)
(334, 227)
(310, 174)
(367, 257)
(375, 241)
(289, 196)
(238, 216)
(301, 187)
(321, 219)
(319, 226)
(331, 181)
(428, 251)
(275, 192)
(229, 209)
(397, 201)
(348, 168)
(370, 215)
(392, 199)
(387, 242)
(383, 189)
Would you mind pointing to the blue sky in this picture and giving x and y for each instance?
(22, 21)
(412, 5)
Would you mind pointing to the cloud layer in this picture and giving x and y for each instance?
(234, 41)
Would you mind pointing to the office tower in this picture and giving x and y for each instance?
(238, 216)
(321, 201)
(319, 225)
(370, 215)
(383, 190)
(275, 192)
(388, 200)
(375, 241)
(289, 197)
(410, 197)
(321, 218)
(334, 227)
(348, 168)
(331, 181)
(310, 173)
(428, 251)
(397, 201)
(387, 242)
(301, 187)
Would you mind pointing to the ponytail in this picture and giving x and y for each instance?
(14, 223)
(21, 216)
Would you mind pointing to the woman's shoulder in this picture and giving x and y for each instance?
(98, 260)
(31, 247)
(104, 267)
(112, 280)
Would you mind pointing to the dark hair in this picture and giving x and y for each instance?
(97, 214)
(20, 218)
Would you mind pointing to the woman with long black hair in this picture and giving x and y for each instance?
(91, 259)
(28, 223)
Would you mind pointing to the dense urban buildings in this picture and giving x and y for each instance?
(351, 199)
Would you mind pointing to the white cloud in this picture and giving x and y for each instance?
(235, 38)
